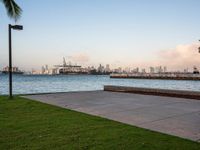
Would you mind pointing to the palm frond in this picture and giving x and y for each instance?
(13, 10)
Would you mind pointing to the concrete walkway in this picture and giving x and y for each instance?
(175, 116)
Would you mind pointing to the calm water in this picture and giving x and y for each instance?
(24, 84)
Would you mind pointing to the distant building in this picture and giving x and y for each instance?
(53, 71)
(15, 70)
(43, 70)
(107, 69)
(46, 67)
(136, 70)
(152, 70)
(143, 71)
(35, 72)
(159, 69)
(165, 69)
(100, 68)
(127, 70)
(118, 70)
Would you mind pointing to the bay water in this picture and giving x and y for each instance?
(27, 84)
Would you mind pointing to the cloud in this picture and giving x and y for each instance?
(79, 58)
(183, 56)
(178, 58)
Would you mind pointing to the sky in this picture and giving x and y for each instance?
(127, 33)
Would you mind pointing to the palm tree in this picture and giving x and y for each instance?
(13, 10)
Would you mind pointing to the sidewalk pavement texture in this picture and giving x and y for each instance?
(174, 116)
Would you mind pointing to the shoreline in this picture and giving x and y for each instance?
(164, 76)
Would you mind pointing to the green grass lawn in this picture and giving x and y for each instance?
(26, 124)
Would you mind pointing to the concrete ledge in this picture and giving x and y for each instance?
(152, 91)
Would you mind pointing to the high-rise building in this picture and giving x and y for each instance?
(46, 67)
(159, 69)
(107, 69)
(100, 68)
(136, 70)
(165, 69)
(43, 70)
(143, 70)
(127, 70)
(152, 70)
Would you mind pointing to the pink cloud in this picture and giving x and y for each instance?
(79, 58)
(183, 56)
(178, 58)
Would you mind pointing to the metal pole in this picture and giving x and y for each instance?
(199, 47)
(10, 60)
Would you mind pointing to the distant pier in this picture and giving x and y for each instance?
(164, 76)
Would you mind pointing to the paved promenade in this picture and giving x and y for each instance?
(175, 116)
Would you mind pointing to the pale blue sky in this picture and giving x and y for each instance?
(101, 31)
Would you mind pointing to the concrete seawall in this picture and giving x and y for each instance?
(152, 91)
(163, 78)
(157, 76)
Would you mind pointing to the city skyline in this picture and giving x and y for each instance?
(51, 70)
(126, 34)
